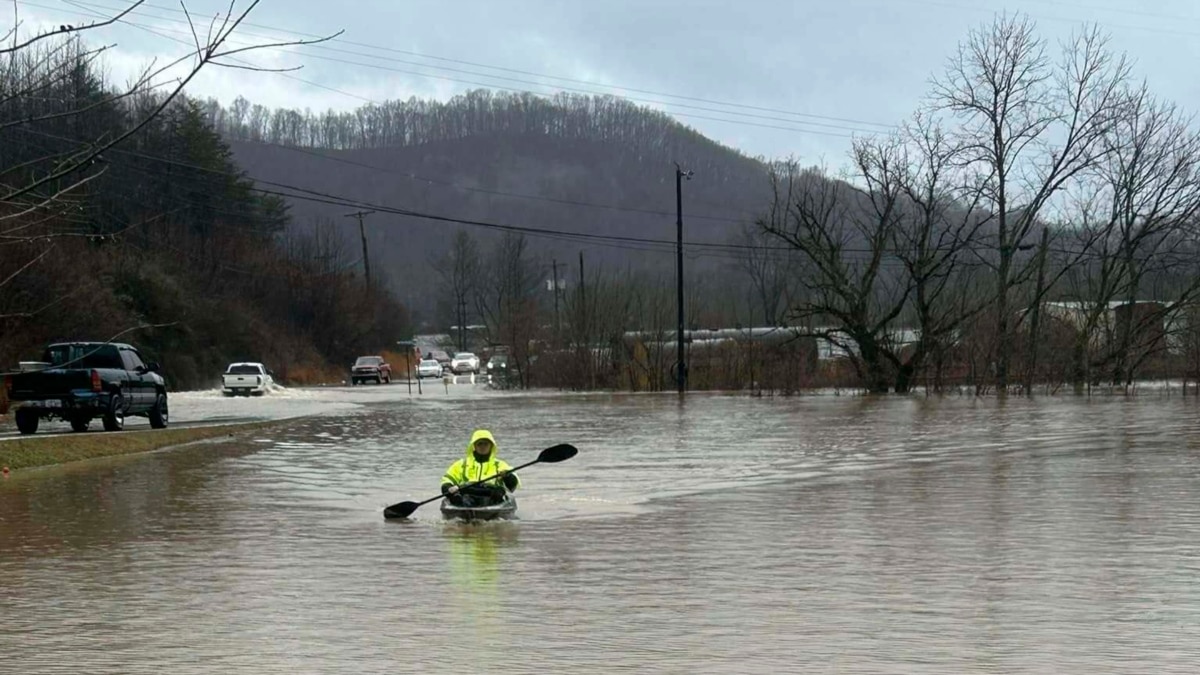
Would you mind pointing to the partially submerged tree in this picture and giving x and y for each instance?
(845, 233)
(1029, 125)
(1136, 225)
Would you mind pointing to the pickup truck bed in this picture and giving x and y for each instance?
(246, 379)
(80, 381)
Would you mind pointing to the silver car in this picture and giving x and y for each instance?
(429, 368)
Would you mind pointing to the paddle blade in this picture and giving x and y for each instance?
(401, 510)
(558, 453)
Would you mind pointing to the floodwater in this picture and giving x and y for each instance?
(722, 534)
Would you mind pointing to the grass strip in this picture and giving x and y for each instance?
(26, 452)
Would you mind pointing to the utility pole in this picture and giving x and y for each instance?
(557, 324)
(680, 364)
(362, 233)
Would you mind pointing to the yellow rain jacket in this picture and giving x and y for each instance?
(468, 469)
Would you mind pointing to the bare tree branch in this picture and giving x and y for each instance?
(66, 30)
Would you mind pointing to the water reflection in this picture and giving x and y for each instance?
(474, 552)
(725, 534)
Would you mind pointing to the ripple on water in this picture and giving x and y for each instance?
(723, 535)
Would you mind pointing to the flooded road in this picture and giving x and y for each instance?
(724, 534)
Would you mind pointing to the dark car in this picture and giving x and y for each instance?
(80, 381)
(371, 368)
(441, 357)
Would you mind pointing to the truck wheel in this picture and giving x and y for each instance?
(114, 417)
(27, 421)
(158, 414)
(79, 423)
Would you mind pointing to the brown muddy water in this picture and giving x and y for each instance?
(723, 534)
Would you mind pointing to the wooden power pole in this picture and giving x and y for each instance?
(362, 233)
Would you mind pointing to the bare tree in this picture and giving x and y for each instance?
(1030, 124)
(506, 300)
(36, 192)
(1145, 195)
(460, 272)
(939, 229)
(649, 339)
(772, 271)
(845, 234)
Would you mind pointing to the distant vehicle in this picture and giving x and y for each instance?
(497, 364)
(441, 357)
(79, 381)
(464, 362)
(429, 368)
(246, 378)
(370, 368)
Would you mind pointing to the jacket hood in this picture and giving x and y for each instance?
(478, 434)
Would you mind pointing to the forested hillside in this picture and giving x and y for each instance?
(593, 166)
(159, 241)
(207, 234)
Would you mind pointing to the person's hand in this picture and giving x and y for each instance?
(453, 490)
(501, 474)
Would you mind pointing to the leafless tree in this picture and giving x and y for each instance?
(36, 193)
(845, 233)
(1145, 197)
(1030, 124)
(507, 301)
(460, 272)
(772, 270)
(650, 340)
(934, 239)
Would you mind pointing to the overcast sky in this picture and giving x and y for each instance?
(768, 77)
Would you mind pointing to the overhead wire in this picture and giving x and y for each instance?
(646, 244)
(707, 249)
(518, 71)
(635, 242)
(527, 83)
(498, 193)
(416, 177)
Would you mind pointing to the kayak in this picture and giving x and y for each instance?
(500, 511)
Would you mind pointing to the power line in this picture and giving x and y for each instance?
(711, 249)
(552, 87)
(427, 179)
(1060, 19)
(518, 71)
(499, 193)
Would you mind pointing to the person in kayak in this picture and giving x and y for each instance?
(480, 463)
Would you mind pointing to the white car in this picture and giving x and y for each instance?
(246, 379)
(464, 362)
(429, 368)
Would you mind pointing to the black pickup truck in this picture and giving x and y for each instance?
(79, 381)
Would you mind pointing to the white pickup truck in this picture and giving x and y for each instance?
(246, 379)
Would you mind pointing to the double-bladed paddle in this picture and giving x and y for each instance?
(556, 453)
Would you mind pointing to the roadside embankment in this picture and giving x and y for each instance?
(24, 453)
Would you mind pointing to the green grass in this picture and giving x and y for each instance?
(31, 451)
